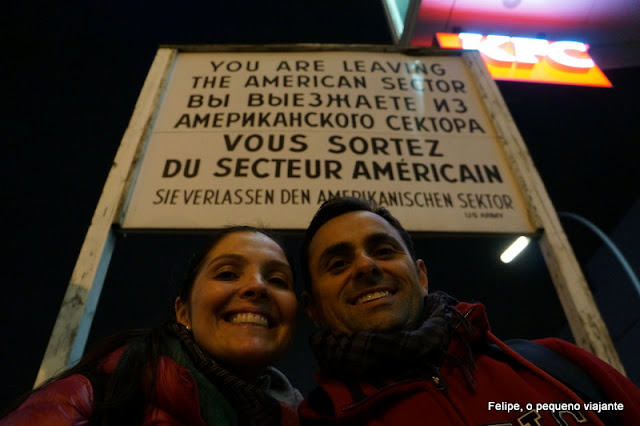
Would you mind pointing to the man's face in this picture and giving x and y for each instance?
(363, 277)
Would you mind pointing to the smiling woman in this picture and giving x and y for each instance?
(241, 306)
(235, 316)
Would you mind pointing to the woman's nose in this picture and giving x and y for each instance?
(255, 287)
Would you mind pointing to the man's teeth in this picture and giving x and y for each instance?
(248, 318)
(372, 296)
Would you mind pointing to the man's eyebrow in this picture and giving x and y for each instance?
(337, 249)
(383, 237)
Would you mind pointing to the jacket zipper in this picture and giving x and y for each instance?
(467, 314)
(382, 389)
(436, 379)
(470, 310)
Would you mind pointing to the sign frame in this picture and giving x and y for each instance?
(73, 323)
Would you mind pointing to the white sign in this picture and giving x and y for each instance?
(267, 137)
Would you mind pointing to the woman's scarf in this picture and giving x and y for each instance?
(253, 406)
(393, 354)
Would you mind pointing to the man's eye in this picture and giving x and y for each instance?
(337, 265)
(384, 251)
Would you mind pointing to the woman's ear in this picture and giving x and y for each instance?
(182, 312)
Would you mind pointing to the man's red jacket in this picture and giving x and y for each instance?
(507, 390)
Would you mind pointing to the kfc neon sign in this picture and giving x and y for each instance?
(531, 59)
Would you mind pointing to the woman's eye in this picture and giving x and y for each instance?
(279, 282)
(226, 276)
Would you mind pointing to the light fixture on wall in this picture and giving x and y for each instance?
(514, 249)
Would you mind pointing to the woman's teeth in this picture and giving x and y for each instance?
(247, 318)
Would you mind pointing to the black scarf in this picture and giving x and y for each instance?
(398, 354)
(253, 406)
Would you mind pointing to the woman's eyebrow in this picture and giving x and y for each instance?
(241, 259)
(229, 257)
(278, 264)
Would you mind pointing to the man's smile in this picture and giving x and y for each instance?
(370, 297)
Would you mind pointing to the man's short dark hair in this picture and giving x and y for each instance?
(335, 207)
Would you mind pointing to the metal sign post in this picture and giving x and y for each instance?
(582, 313)
(72, 326)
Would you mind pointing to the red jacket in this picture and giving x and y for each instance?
(69, 401)
(499, 386)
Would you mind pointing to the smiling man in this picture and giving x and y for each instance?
(389, 352)
(365, 277)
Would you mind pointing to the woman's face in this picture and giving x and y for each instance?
(242, 307)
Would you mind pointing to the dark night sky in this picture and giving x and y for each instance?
(72, 77)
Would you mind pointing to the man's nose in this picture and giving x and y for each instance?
(255, 287)
(367, 268)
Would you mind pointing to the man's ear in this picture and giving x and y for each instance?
(182, 312)
(310, 307)
(422, 275)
